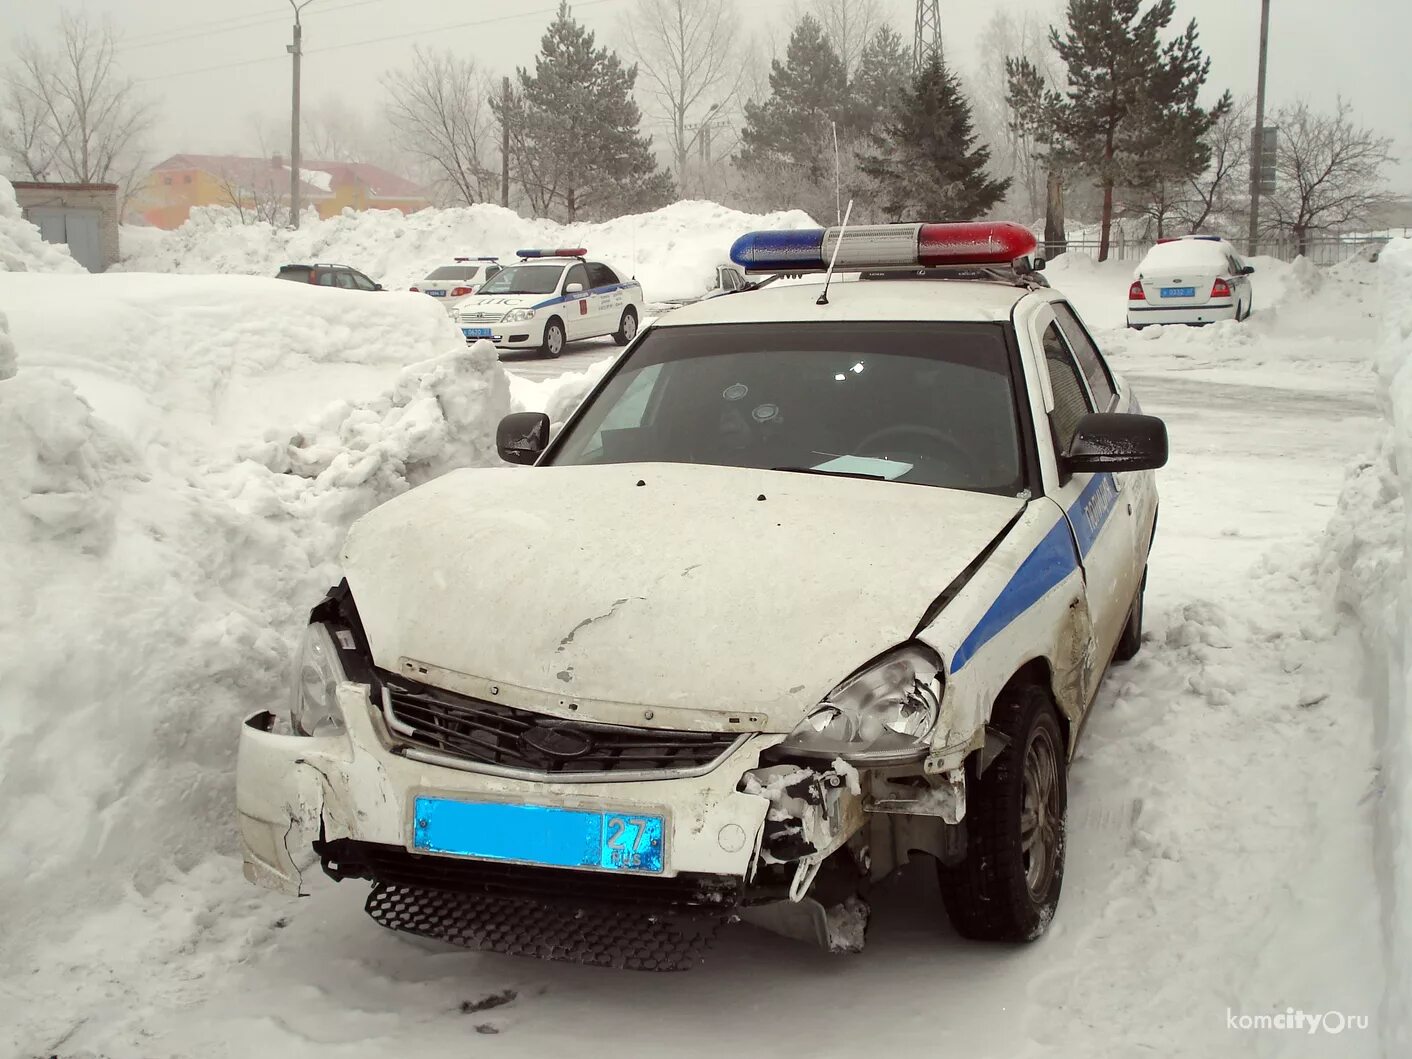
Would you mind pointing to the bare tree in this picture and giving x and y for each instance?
(687, 58)
(74, 115)
(1016, 151)
(257, 188)
(1220, 193)
(1329, 171)
(438, 115)
(848, 25)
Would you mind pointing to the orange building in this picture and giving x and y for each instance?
(259, 187)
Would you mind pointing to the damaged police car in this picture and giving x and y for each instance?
(823, 577)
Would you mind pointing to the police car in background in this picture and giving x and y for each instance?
(1190, 279)
(455, 282)
(549, 299)
(819, 579)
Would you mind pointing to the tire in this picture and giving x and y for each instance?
(1130, 643)
(1006, 888)
(554, 339)
(627, 327)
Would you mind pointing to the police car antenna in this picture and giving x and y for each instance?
(823, 298)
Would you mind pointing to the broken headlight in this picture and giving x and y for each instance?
(314, 709)
(882, 715)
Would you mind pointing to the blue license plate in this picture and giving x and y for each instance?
(1179, 292)
(437, 293)
(539, 834)
(477, 332)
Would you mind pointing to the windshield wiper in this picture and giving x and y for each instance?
(832, 474)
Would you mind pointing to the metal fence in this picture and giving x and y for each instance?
(1321, 250)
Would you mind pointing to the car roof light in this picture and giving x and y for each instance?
(977, 243)
(974, 243)
(578, 252)
(780, 251)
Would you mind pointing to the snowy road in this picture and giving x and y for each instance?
(1221, 845)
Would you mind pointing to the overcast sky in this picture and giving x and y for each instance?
(213, 64)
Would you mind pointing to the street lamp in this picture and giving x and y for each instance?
(295, 50)
(1257, 143)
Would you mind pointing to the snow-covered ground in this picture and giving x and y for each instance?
(180, 455)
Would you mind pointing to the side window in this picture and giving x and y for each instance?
(1100, 383)
(602, 275)
(1070, 397)
(363, 282)
(577, 274)
(326, 279)
(345, 280)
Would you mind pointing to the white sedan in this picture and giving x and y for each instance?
(1193, 279)
(552, 298)
(454, 283)
(818, 580)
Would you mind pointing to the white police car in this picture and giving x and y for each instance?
(1190, 279)
(551, 298)
(818, 580)
(454, 283)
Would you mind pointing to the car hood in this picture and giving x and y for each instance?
(503, 302)
(671, 595)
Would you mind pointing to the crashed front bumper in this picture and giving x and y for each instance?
(292, 789)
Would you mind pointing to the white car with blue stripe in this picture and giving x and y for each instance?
(549, 299)
(822, 577)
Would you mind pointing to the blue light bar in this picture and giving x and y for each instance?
(572, 252)
(782, 251)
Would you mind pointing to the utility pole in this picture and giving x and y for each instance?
(297, 50)
(1257, 143)
(505, 143)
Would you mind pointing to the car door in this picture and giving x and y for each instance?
(1092, 503)
(1240, 282)
(608, 300)
(578, 309)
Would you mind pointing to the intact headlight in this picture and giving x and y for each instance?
(518, 316)
(883, 715)
(314, 706)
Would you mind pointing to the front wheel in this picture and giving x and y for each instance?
(1006, 888)
(553, 343)
(627, 327)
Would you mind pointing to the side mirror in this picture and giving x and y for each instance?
(1247, 270)
(573, 288)
(1117, 441)
(378, 286)
(522, 436)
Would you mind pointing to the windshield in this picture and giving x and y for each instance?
(525, 279)
(926, 403)
(455, 272)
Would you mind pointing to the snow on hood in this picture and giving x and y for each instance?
(667, 586)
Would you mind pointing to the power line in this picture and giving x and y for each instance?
(211, 29)
(377, 40)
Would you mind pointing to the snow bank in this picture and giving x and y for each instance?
(1368, 559)
(22, 249)
(672, 251)
(156, 572)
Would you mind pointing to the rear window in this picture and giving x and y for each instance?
(1186, 253)
(924, 403)
(456, 272)
(299, 273)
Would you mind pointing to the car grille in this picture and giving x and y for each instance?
(491, 733)
(481, 318)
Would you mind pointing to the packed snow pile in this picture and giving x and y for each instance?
(162, 537)
(22, 249)
(673, 251)
(1367, 556)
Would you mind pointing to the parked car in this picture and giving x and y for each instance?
(549, 299)
(1192, 279)
(326, 275)
(455, 282)
(816, 581)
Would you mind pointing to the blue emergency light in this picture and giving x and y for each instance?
(971, 243)
(578, 252)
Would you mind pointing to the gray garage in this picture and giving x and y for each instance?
(84, 217)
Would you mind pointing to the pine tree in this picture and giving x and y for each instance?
(574, 129)
(1034, 108)
(1123, 87)
(927, 165)
(792, 127)
(884, 73)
